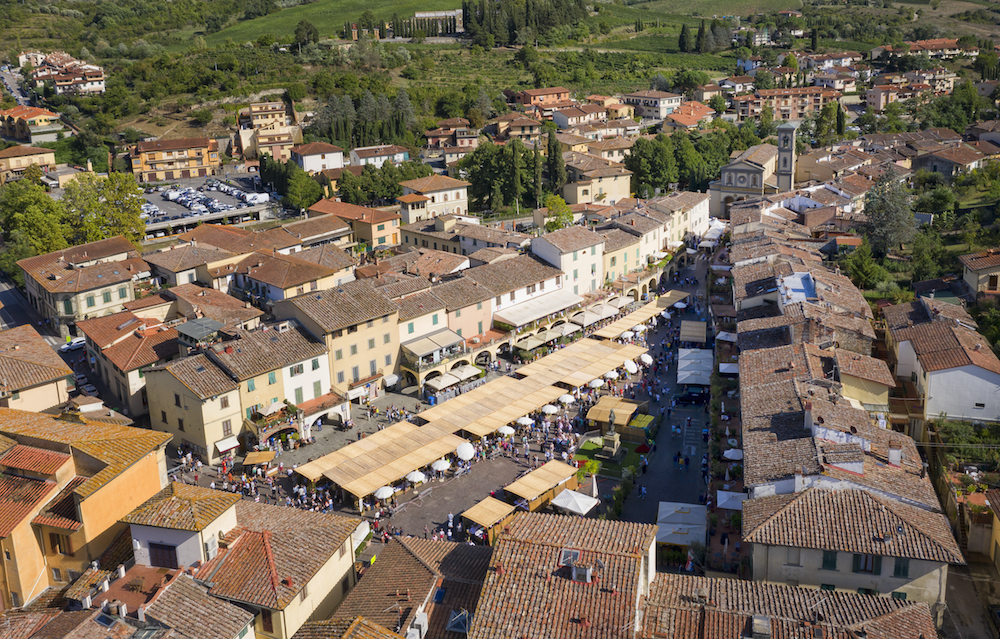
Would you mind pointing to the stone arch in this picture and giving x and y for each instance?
(432, 375)
(484, 357)
(409, 378)
(461, 362)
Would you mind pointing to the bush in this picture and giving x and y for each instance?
(202, 116)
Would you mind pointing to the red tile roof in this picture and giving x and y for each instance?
(19, 497)
(982, 260)
(37, 460)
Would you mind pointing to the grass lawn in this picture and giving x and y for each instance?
(328, 16)
(588, 452)
(711, 8)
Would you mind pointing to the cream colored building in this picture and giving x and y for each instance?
(594, 179)
(89, 280)
(265, 277)
(32, 376)
(198, 403)
(68, 480)
(429, 197)
(981, 271)
(359, 325)
(621, 253)
(16, 159)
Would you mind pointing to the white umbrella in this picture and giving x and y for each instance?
(416, 477)
(465, 451)
(646, 359)
(506, 431)
(631, 367)
(597, 383)
(567, 399)
(525, 421)
(384, 492)
(611, 375)
(680, 305)
(627, 335)
(549, 409)
(639, 328)
(441, 465)
(666, 315)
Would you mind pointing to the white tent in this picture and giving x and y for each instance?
(726, 336)
(733, 454)
(681, 524)
(574, 502)
(694, 366)
(729, 369)
(730, 500)
(694, 378)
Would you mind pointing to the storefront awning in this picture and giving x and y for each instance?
(528, 343)
(391, 379)
(437, 341)
(530, 310)
(566, 329)
(227, 443)
(585, 318)
(357, 391)
(443, 381)
(464, 372)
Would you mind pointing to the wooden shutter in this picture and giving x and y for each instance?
(877, 565)
(857, 564)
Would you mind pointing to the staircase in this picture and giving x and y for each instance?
(963, 529)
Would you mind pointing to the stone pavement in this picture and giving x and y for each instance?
(971, 589)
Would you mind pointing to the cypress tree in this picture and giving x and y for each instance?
(702, 43)
(684, 43)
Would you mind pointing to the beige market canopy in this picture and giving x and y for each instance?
(692, 331)
(488, 512)
(434, 342)
(255, 458)
(671, 298)
(624, 409)
(581, 362)
(640, 316)
(442, 381)
(541, 480)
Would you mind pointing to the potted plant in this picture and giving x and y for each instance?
(713, 521)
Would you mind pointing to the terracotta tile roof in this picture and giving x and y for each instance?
(493, 253)
(278, 551)
(408, 573)
(173, 145)
(344, 306)
(27, 360)
(572, 238)
(113, 446)
(213, 304)
(329, 256)
(419, 305)
(650, 93)
(344, 628)
(590, 166)
(19, 498)
(38, 460)
(150, 301)
(759, 154)
(305, 230)
(182, 507)
(128, 341)
(186, 607)
(353, 212)
(21, 151)
(397, 286)
(199, 374)
(616, 239)
(228, 238)
(508, 275)
(462, 292)
(58, 276)
(259, 351)
(942, 345)
(864, 367)
(983, 260)
(519, 599)
(315, 148)
(431, 263)
(61, 512)
(850, 521)
(434, 183)
(282, 271)
(376, 151)
(186, 257)
(675, 609)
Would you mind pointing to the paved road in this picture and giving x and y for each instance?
(13, 81)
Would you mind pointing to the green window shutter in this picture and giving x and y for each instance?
(317, 389)
(251, 385)
(857, 564)
(877, 566)
(899, 595)
(249, 413)
(902, 568)
(298, 395)
(829, 560)
(272, 378)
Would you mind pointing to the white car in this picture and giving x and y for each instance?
(74, 344)
(89, 390)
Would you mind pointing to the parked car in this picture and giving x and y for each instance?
(693, 396)
(89, 390)
(74, 344)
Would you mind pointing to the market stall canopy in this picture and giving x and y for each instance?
(228, 443)
(566, 329)
(635, 318)
(694, 378)
(726, 336)
(627, 335)
(416, 477)
(729, 369)
(604, 310)
(256, 458)
(506, 431)
(525, 421)
(646, 359)
(566, 399)
(436, 341)
(695, 358)
(733, 454)
(538, 307)
(631, 367)
(623, 409)
(692, 331)
(442, 381)
(548, 335)
(385, 492)
(465, 371)
(619, 302)
(539, 481)
(549, 409)
(441, 465)
(574, 502)
(681, 524)
(528, 343)
(489, 512)
(465, 451)
(585, 318)
(730, 500)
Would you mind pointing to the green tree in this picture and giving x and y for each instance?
(684, 42)
(718, 104)
(766, 126)
(27, 208)
(202, 116)
(102, 207)
(303, 191)
(559, 213)
(701, 42)
(791, 62)
(16, 248)
(306, 32)
(556, 164)
(889, 216)
(862, 268)
(927, 256)
(814, 44)
(537, 166)
(33, 174)
(841, 120)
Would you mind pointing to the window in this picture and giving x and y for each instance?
(163, 416)
(298, 395)
(381, 227)
(576, 255)
(338, 354)
(576, 274)
(434, 319)
(373, 367)
(827, 587)
(371, 323)
(177, 399)
(793, 556)
(480, 328)
(458, 313)
(613, 260)
(899, 595)
(250, 412)
(978, 405)
(593, 250)
(68, 307)
(294, 371)
(479, 307)
(385, 319)
(340, 377)
(371, 343)
(593, 269)
(266, 623)
(90, 301)
(272, 378)
(15, 599)
(224, 401)
(829, 560)
(313, 285)
(381, 240)
(60, 544)
(355, 373)
(409, 328)
(388, 360)
(317, 389)
(106, 296)
(123, 292)
(315, 364)
(354, 349)
(386, 338)
(867, 591)
(227, 428)
(180, 424)
(251, 385)
(902, 568)
(498, 300)
(304, 593)
(870, 564)
(56, 574)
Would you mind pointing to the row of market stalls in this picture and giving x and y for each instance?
(594, 313)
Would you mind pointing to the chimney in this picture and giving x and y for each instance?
(807, 415)
(121, 571)
(87, 602)
(140, 612)
(895, 454)
(105, 585)
(799, 483)
(123, 610)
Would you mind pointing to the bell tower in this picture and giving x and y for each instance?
(785, 171)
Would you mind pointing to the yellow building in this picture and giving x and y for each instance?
(198, 403)
(16, 159)
(309, 564)
(89, 280)
(865, 380)
(264, 277)
(175, 159)
(32, 376)
(359, 325)
(261, 114)
(594, 179)
(31, 124)
(376, 228)
(621, 253)
(65, 481)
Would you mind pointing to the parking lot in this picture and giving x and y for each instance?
(188, 202)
